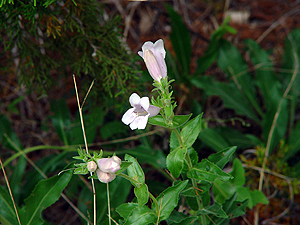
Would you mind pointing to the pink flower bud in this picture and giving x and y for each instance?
(154, 57)
(105, 177)
(91, 166)
(109, 165)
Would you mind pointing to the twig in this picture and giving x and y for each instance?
(85, 142)
(10, 193)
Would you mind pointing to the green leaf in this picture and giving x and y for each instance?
(175, 161)
(142, 215)
(45, 193)
(215, 209)
(190, 131)
(235, 208)
(181, 42)
(238, 172)
(135, 171)
(142, 194)
(158, 121)
(178, 121)
(168, 199)
(222, 158)
(126, 209)
(7, 211)
(124, 165)
(206, 170)
(225, 190)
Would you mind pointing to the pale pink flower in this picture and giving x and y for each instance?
(138, 116)
(154, 58)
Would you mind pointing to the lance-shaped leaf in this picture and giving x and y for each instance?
(45, 193)
(206, 170)
(178, 121)
(142, 194)
(175, 161)
(190, 131)
(168, 199)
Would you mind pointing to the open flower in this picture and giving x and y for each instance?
(154, 57)
(138, 116)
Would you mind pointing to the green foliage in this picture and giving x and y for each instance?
(225, 190)
(45, 194)
(49, 41)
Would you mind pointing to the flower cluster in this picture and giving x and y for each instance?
(154, 58)
(107, 167)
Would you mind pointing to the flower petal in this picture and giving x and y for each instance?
(159, 48)
(129, 116)
(134, 99)
(134, 124)
(153, 110)
(160, 54)
(142, 122)
(144, 102)
(141, 53)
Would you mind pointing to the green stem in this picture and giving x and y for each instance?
(194, 182)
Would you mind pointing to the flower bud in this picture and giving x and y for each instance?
(105, 177)
(109, 165)
(91, 166)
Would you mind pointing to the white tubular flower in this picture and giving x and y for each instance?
(138, 116)
(91, 166)
(109, 165)
(154, 58)
(105, 177)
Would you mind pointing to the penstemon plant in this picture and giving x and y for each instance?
(192, 179)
